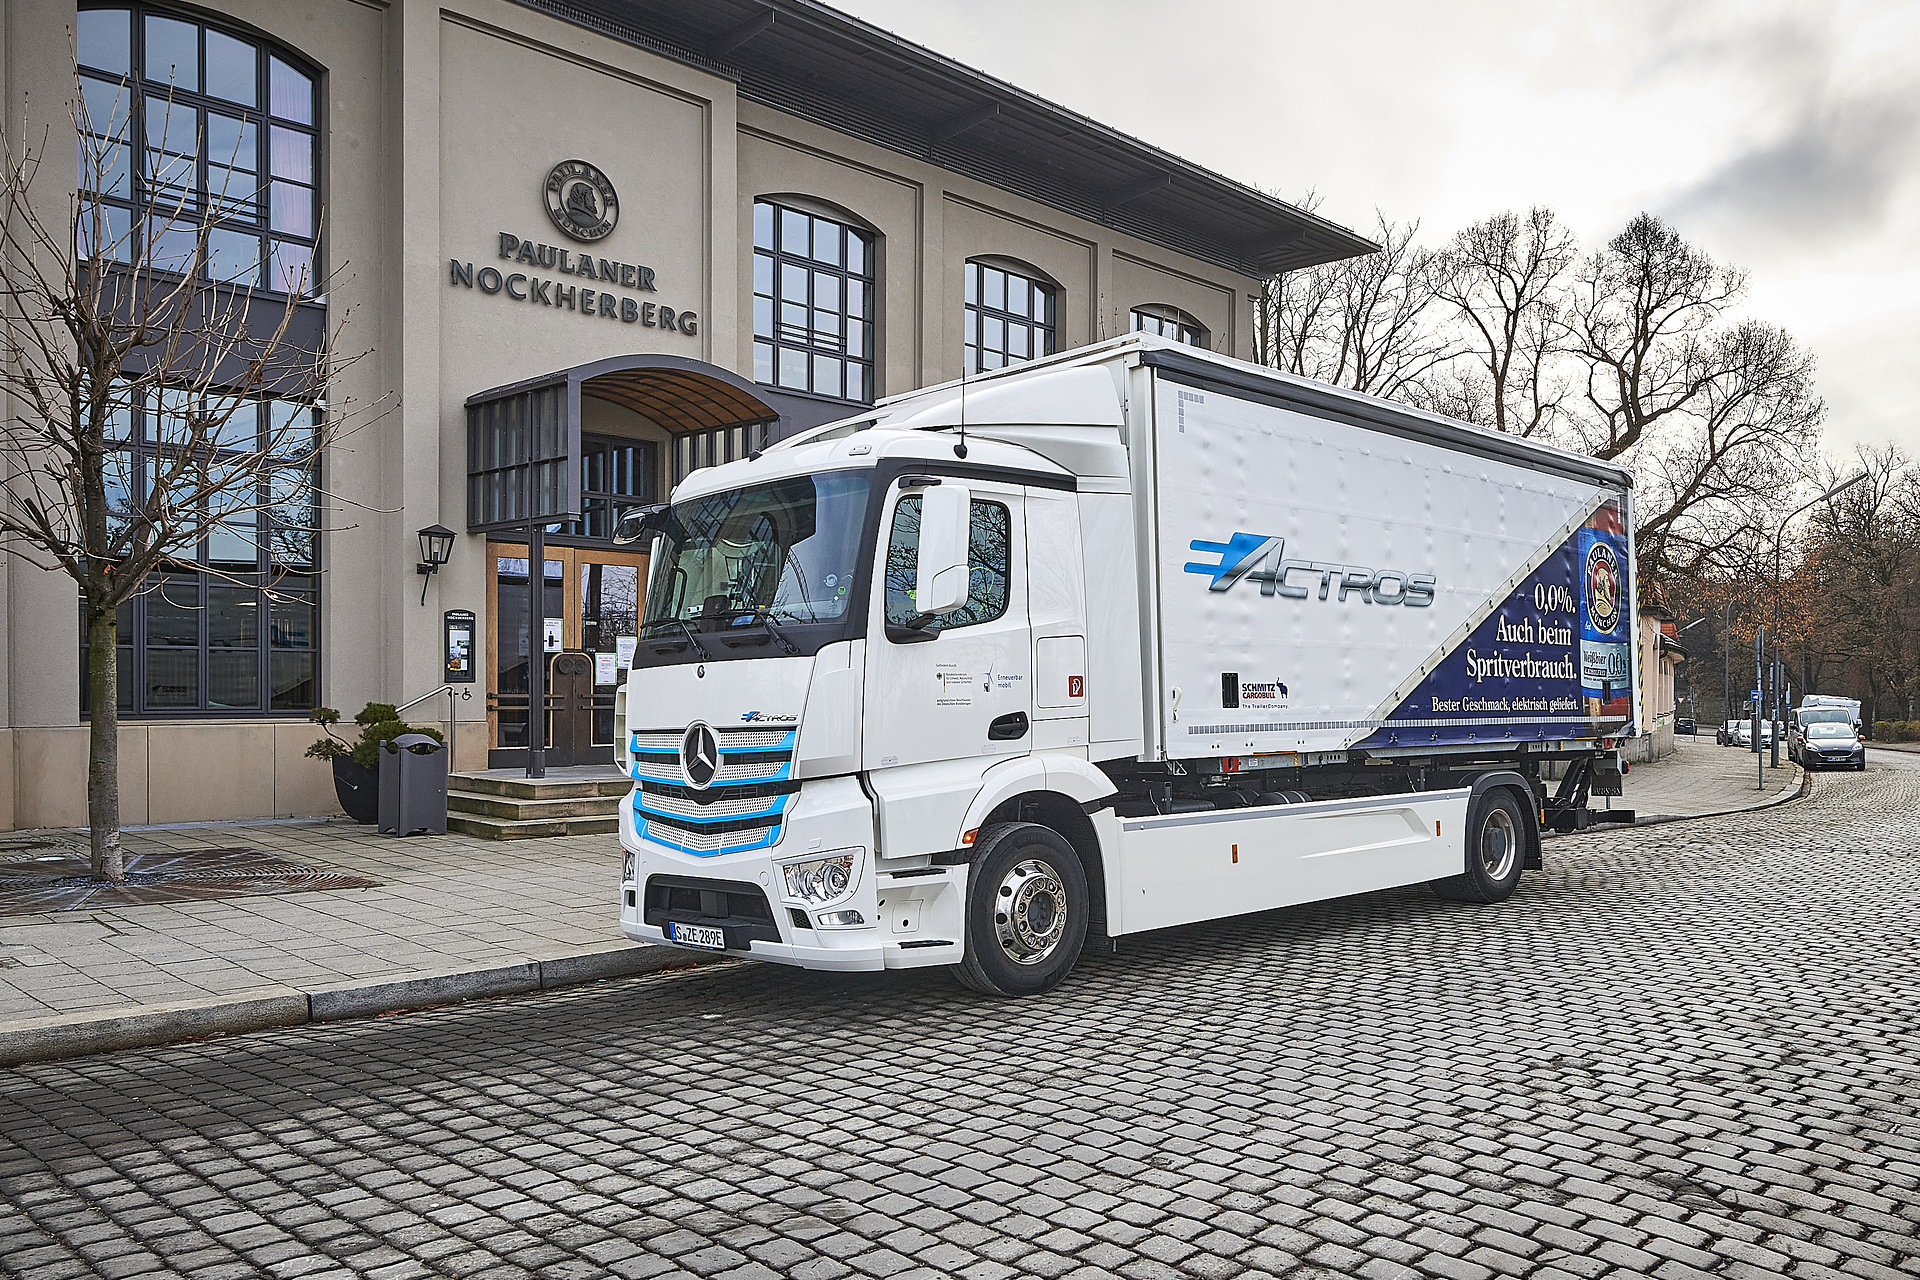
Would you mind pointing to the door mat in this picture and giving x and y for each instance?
(47, 875)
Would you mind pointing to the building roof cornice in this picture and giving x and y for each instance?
(814, 62)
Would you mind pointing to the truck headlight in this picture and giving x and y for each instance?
(821, 880)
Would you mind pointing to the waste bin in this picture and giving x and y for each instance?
(413, 786)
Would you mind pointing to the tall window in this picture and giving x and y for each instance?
(812, 304)
(614, 474)
(1009, 317)
(200, 125)
(1170, 322)
(231, 628)
(693, 450)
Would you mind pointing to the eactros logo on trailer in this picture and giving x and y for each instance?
(1259, 558)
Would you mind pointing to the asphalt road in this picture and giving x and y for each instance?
(1680, 1051)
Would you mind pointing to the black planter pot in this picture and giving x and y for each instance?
(357, 788)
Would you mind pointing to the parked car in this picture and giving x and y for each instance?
(1686, 725)
(1813, 714)
(1724, 734)
(1743, 733)
(1832, 744)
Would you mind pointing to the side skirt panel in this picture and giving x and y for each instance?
(1187, 867)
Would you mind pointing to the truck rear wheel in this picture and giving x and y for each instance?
(1496, 848)
(1027, 907)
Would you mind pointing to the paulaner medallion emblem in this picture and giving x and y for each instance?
(581, 201)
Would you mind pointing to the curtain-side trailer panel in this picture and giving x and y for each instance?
(1325, 585)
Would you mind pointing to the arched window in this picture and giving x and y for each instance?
(190, 125)
(1170, 322)
(1009, 315)
(812, 303)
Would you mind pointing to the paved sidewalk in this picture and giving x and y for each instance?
(452, 917)
(444, 904)
(1700, 778)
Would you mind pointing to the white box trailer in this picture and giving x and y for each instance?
(1131, 637)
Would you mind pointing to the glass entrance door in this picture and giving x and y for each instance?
(592, 600)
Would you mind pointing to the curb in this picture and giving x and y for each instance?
(56, 1036)
(1780, 797)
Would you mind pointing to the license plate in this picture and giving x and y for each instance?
(698, 935)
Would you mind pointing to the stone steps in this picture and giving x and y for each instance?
(507, 808)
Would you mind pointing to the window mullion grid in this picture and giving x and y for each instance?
(204, 657)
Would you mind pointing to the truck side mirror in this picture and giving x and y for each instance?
(637, 524)
(943, 575)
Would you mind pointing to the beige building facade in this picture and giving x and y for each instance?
(699, 226)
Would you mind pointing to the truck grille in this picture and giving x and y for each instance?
(741, 809)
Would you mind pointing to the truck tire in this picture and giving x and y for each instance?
(1495, 849)
(1026, 912)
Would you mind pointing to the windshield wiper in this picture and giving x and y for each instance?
(765, 618)
(692, 638)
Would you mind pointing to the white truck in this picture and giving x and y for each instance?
(1128, 638)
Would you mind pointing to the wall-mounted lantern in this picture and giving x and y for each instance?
(436, 548)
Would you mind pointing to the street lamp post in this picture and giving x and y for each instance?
(1692, 702)
(1726, 668)
(1779, 534)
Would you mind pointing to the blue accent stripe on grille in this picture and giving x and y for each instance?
(778, 807)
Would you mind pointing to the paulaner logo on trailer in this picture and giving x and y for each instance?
(1258, 557)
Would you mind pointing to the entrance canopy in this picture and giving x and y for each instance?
(523, 439)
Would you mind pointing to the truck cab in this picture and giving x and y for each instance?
(811, 732)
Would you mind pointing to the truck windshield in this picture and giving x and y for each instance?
(785, 550)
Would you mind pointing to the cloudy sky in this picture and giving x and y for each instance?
(1782, 137)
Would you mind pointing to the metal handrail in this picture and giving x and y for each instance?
(463, 694)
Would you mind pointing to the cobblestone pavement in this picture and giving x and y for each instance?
(1686, 1050)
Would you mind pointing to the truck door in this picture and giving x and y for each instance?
(1056, 602)
(945, 696)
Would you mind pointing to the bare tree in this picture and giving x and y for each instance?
(1854, 593)
(1712, 472)
(141, 300)
(1368, 323)
(1506, 279)
(1640, 321)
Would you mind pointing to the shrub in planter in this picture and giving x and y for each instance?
(356, 765)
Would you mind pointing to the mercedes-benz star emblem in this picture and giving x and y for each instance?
(699, 755)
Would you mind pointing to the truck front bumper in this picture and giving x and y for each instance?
(742, 899)
(864, 954)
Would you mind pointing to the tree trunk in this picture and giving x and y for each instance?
(103, 746)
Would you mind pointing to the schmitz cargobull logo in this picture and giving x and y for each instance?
(1258, 558)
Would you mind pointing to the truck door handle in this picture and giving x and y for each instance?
(1008, 727)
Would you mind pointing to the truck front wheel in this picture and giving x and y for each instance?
(1496, 848)
(1027, 908)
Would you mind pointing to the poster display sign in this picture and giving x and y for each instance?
(555, 636)
(457, 632)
